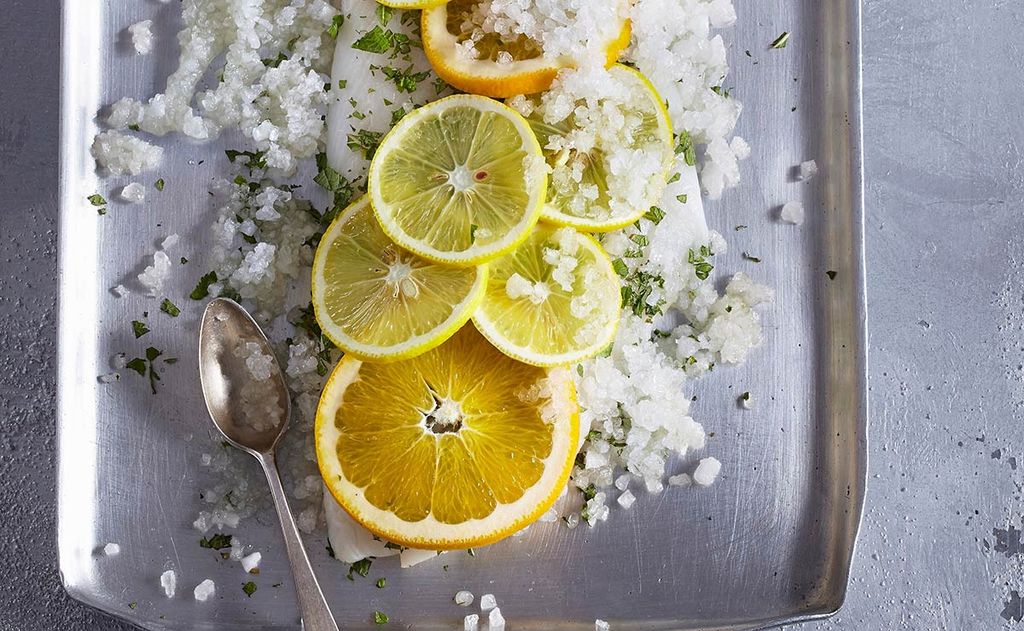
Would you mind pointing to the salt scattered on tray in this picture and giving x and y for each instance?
(792, 212)
(133, 193)
(142, 36)
(706, 472)
(111, 549)
(204, 590)
(169, 583)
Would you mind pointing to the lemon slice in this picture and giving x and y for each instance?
(459, 181)
(492, 65)
(554, 300)
(623, 170)
(380, 303)
(456, 448)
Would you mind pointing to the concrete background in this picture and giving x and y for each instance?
(940, 546)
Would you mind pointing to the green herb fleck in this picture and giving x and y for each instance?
(132, 605)
(751, 258)
(380, 617)
(405, 80)
(276, 61)
(159, 184)
(249, 588)
(472, 232)
(139, 328)
(184, 260)
(579, 369)
(381, 582)
(687, 148)
(339, 186)
(101, 211)
(138, 365)
(360, 567)
(97, 200)
(471, 552)
(681, 198)
(655, 215)
(170, 308)
(384, 14)
(335, 26)
(134, 127)
(365, 141)
(698, 259)
(639, 239)
(831, 274)
(720, 91)
(675, 178)
(381, 40)
(202, 288)
(620, 268)
(741, 227)
(781, 40)
(745, 396)
(589, 493)
(342, 83)
(218, 541)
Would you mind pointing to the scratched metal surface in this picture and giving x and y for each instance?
(771, 542)
(943, 84)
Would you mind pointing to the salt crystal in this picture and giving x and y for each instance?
(463, 598)
(680, 480)
(808, 169)
(707, 470)
(747, 401)
(110, 377)
(111, 549)
(622, 482)
(792, 212)
(495, 621)
(169, 581)
(124, 155)
(471, 622)
(120, 291)
(572, 520)
(133, 193)
(487, 602)
(626, 499)
(154, 276)
(205, 459)
(549, 515)
(169, 242)
(142, 36)
(601, 625)
(251, 562)
(204, 590)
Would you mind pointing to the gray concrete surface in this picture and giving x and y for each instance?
(940, 547)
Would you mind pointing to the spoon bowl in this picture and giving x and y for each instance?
(224, 334)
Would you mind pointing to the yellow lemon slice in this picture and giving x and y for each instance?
(495, 67)
(554, 300)
(380, 303)
(622, 172)
(456, 448)
(459, 181)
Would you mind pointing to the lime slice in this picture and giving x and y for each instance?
(554, 300)
(378, 302)
(622, 171)
(459, 181)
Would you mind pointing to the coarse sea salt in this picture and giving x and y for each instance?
(471, 622)
(495, 621)
(204, 590)
(463, 598)
(120, 154)
(142, 36)
(169, 583)
(111, 549)
(488, 602)
(133, 193)
(792, 212)
(808, 169)
(601, 625)
(251, 562)
(626, 499)
(155, 275)
(707, 471)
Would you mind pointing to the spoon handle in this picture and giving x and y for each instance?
(316, 615)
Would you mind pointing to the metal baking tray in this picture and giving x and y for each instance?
(770, 543)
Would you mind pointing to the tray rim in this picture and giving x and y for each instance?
(815, 609)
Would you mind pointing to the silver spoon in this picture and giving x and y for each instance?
(223, 374)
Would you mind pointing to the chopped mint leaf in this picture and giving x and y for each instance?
(97, 200)
(342, 83)
(579, 369)
(384, 14)
(184, 260)
(132, 605)
(159, 184)
(202, 289)
(472, 232)
(139, 328)
(655, 215)
(378, 41)
(620, 268)
(380, 617)
(781, 40)
(740, 227)
(639, 239)
(138, 365)
(101, 211)
(394, 546)
(720, 91)
(153, 353)
(751, 258)
(589, 493)
(249, 588)
(134, 127)
(381, 583)
(681, 198)
(687, 148)
(216, 542)
(831, 274)
(360, 567)
(702, 268)
(674, 178)
(276, 61)
(397, 115)
(365, 141)
(342, 189)
(170, 308)
(335, 26)
(405, 80)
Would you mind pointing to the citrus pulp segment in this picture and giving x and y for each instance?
(455, 448)
(377, 302)
(459, 181)
(554, 300)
